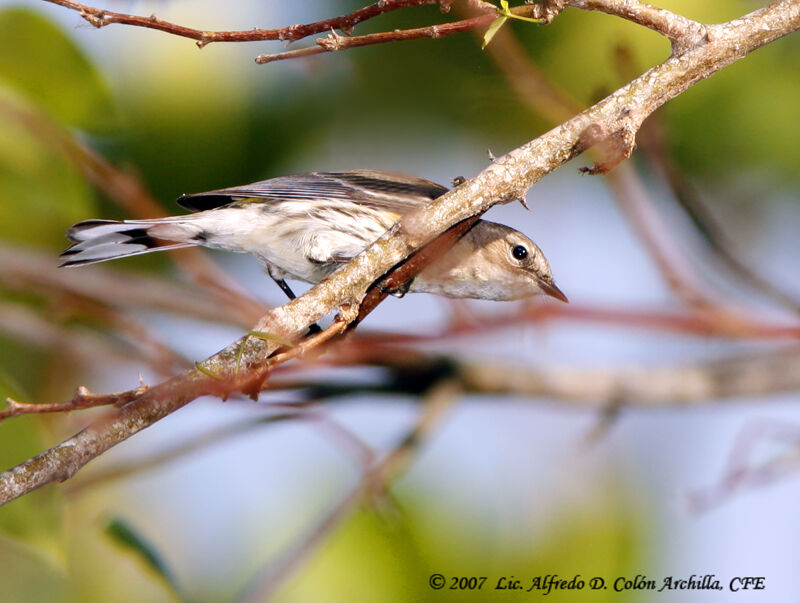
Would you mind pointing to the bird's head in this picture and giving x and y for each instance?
(491, 261)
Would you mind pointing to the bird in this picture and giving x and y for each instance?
(305, 226)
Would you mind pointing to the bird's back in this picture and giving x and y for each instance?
(389, 191)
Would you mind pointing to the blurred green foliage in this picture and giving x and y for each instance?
(41, 189)
(44, 76)
(39, 59)
(395, 557)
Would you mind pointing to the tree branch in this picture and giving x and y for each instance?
(100, 18)
(334, 41)
(83, 399)
(738, 377)
(409, 371)
(683, 33)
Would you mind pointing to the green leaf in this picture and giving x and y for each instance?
(493, 29)
(125, 536)
(505, 14)
(40, 61)
(208, 372)
(264, 336)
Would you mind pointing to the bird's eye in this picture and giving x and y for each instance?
(519, 252)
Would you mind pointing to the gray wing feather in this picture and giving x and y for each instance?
(380, 190)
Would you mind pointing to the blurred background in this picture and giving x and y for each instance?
(91, 120)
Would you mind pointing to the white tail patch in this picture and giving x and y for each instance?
(101, 240)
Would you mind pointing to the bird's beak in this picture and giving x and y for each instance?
(552, 290)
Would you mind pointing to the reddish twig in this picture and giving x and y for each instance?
(712, 323)
(683, 33)
(334, 41)
(398, 278)
(83, 398)
(100, 18)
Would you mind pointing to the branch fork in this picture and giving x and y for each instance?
(682, 33)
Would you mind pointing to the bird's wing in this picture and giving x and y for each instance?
(380, 190)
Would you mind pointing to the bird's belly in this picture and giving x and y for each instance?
(288, 256)
(250, 230)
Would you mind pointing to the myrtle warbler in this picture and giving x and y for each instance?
(305, 226)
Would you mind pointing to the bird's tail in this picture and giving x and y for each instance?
(101, 240)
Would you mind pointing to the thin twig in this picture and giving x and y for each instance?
(398, 278)
(717, 324)
(295, 53)
(100, 18)
(683, 33)
(83, 398)
(334, 41)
